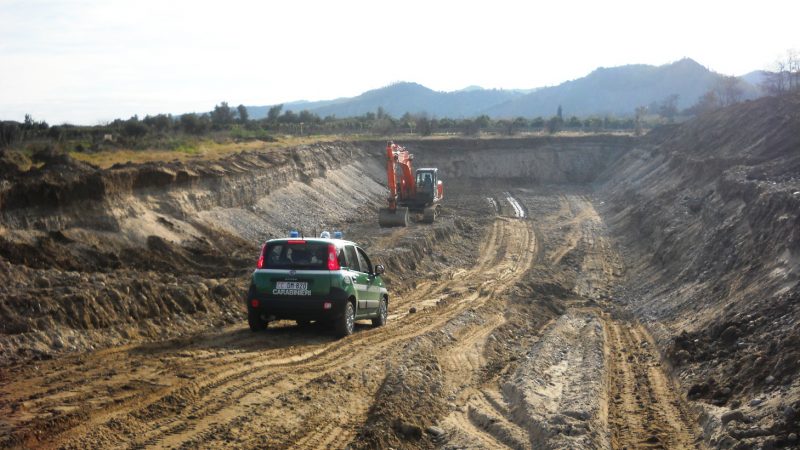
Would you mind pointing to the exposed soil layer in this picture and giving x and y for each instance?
(594, 292)
(708, 215)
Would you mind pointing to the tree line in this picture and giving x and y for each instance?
(226, 122)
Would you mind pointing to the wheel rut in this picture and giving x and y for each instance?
(208, 392)
(582, 379)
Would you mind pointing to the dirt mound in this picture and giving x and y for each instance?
(709, 213)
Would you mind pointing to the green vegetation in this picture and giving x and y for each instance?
(226, 129)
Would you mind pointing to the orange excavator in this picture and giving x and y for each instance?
(417, 192)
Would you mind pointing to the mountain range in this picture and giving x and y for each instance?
(616, 91)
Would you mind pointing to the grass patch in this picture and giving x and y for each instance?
(193, 150)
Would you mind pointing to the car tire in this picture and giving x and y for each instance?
(254, 316)
(383, 313)
(255, 321)
(346, 323)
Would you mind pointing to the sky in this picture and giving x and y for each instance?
(91, 61)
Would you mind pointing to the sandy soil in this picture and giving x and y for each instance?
(576, 379)
(585, 292)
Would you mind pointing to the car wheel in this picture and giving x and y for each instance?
(255, 321)
(346, 323)
(254, 316)
(383, 313)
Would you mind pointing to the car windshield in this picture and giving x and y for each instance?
(300, 255)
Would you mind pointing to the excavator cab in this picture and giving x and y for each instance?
(426, 183)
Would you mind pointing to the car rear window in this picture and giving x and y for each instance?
(305, 256)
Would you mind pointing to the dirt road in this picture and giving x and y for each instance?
(520, 349)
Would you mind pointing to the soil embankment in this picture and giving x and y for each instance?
(709, 215)
(96, 257)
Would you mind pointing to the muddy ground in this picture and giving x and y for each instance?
(594, 292)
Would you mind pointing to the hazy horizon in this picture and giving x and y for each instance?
(87, 62)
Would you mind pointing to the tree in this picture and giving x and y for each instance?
(554, 124)
(288, 117)
(274, 112)
(159, 123)
(638, 121)
(308, 117)
(134, 128)
(243, 115)
(382, 127)
(707, 103)
(9, 133)
(559, 113)
(668, 108)
(222, 116)
(786, 75)
(425, 125)
(409, 121)
(483, 121)
(729, 90)
(193, 124)
(505, 126)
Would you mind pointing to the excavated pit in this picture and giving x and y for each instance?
(578, 292)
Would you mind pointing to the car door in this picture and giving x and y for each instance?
(359, 277)
(373, 291)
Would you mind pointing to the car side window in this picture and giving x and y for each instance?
(352, 259)
(342, 258)
(364, 262)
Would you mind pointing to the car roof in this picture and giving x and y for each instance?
(337, 242)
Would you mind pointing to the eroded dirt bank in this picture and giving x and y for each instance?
(709, 216)
(97, 257)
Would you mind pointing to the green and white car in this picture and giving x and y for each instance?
(316, 279)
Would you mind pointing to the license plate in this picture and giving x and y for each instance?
(293, 285)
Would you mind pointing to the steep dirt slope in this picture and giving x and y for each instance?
(536, 160)
(709, 213)
(94, 257)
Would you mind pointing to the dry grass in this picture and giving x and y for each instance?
(203, 150)
(210, 150)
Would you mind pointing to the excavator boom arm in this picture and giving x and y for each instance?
(399, 156)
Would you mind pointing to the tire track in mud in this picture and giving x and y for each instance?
(233, 388)
(645, 410)
(228, 386)
(591, 380)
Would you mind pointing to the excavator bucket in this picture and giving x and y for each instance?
(397, 218)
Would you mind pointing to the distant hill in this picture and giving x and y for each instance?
(756, 77)
(400, 98)
(617, 91)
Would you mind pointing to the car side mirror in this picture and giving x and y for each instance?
(379, 269)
